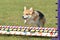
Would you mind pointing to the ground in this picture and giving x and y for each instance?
(11, 12)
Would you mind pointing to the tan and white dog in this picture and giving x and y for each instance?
(31, 16)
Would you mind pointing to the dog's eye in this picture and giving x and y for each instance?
(27, 14)
(32, 13)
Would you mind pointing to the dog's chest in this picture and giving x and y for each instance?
(31, 21)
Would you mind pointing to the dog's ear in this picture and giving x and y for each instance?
(31, 9)
(24, 7)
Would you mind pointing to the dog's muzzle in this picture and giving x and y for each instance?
(25, 17)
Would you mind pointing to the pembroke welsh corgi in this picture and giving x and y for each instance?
(32, 16)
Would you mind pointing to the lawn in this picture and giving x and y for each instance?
(11, 12)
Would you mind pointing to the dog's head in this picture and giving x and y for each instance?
(27, 13)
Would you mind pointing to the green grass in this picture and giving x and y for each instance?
(11, 12)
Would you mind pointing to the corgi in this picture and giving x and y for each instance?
(32, 16)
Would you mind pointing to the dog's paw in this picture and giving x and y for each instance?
(25, 21)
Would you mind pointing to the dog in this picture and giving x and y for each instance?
(32, 16)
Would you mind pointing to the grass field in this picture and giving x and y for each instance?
(11, 12)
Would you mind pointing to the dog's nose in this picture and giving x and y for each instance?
(24, 17)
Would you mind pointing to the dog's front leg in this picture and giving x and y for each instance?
(25, 21)
(38, 24)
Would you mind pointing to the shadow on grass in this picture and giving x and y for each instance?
(21, 37)
(24, 36)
